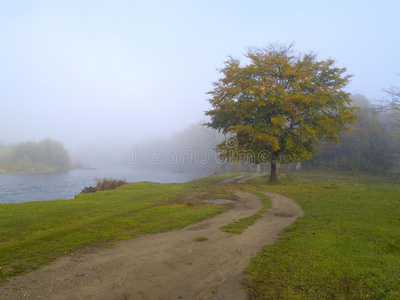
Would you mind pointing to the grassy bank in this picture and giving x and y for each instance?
(347, 246)
(35, 233)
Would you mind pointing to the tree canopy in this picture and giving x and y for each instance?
(281, 103)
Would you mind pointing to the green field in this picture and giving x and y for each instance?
(347, 245)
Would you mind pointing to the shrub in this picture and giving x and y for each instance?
(108, 183)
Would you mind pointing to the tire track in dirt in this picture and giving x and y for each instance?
(164, 266)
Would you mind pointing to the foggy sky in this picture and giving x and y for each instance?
(93, 72)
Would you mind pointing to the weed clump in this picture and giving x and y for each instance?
(108, 183)
(104, 184)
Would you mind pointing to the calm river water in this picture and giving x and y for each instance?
(16, 188)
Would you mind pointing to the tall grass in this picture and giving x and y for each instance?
(104, 184)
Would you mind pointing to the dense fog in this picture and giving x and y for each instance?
(103, 77)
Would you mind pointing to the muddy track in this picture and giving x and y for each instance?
(163, 266)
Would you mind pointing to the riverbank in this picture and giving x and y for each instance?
(57, 227)
(18, 188)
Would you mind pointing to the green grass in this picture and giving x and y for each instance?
(210, 180)
(347, 245)
(200, 239)
(33, 234)
(239, 226)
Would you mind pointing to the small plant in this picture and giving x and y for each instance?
(200, 239)
(108, 183)
(89, 189)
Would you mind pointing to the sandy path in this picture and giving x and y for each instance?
(163, 266)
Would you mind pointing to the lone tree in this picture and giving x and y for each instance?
(279, 105)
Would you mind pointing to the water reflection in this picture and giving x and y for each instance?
(16, 188)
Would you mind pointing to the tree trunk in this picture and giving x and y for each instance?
(273, 173)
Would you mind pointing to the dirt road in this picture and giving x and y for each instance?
(163, 266)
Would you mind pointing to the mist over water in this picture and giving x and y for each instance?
(17, 188)
(183, 156)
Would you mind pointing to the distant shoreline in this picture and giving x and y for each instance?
(44, 172)
(81, 167)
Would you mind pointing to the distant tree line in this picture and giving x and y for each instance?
(373, 145)
(43, 156)
(192, 149)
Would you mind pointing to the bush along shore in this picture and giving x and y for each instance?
(104, 184)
